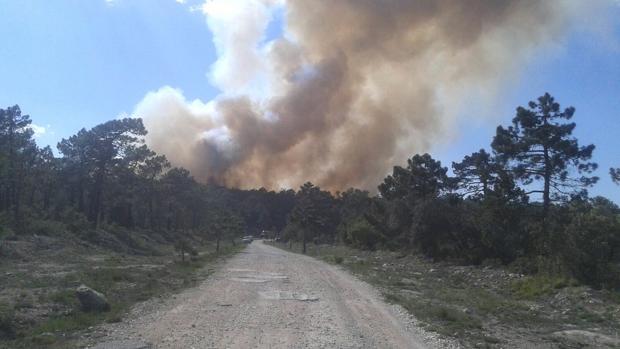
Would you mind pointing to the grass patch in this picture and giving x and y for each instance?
(540, 285)
(441, 318)
(123, 279)
(64, 297)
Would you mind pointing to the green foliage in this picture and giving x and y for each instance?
(184, 246)
(540, 285)
(108, 178)
(440, 229)
(592, 243)
(7, 322)
(361, 234)
(74, 221)
(46, 227)
(615, 175)
(502, 233)
(314, 214)
(453, 322)
(5, 233)
(423, 178)
(540, 145)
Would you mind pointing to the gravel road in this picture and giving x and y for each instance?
(265, 297)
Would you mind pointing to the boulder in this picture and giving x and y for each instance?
(91, 300)
(588, 338)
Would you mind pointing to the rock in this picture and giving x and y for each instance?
(91, 300)
(46, 338)
(407, 281)
(587, 338)
(410, 293)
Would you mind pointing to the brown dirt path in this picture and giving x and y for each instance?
(265, 297)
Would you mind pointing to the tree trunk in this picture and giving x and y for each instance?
(96, 201)
(303, 241)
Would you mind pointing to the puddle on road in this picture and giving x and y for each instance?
(288, 295)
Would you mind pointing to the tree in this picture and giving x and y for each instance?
(615, 175)
(313, 212)
(540, 146)
(224, 223)
(16, 145)
(477, 173)
(97, 151)
(145, 167)
(76, 166)
(424, 178)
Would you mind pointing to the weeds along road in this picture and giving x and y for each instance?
(265, 297)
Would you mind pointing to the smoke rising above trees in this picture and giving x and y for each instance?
(350, 88)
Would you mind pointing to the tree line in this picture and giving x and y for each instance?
(522, 202)
(525, 202)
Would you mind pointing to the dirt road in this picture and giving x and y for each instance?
(268, 298)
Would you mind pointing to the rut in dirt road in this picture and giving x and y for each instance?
(268, 298)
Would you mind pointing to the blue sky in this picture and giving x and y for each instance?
(76, 63)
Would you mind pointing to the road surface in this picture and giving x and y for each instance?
(265, 297)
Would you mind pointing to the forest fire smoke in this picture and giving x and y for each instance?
(350, 88)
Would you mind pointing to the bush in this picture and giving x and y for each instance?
(441, 230)
(540, 285)
(363, 235)
(7, 323)
(5, 233)
(45, 227)
(75, 221)
(503, 236)
(592, 244)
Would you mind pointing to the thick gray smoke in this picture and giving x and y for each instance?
(351, 88)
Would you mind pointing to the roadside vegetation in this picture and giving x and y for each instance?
(483, 306)
(38, 304)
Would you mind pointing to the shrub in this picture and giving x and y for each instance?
(592, 244)
(5, 234)
(540, 285)
(441, 231)
(363, 235)
(45, 227)
(75, 221)
(7, 323)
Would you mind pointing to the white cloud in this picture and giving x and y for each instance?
(38, 130)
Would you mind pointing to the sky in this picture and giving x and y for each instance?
(71, 64)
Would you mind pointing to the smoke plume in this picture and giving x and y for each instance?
(351, 87)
